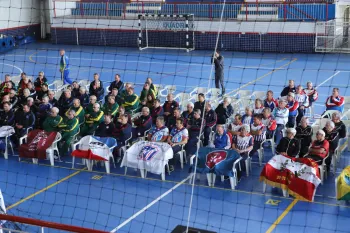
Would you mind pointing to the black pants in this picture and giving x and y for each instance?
(301, 113)
(219, 80)
(176, 149)
(207, 131)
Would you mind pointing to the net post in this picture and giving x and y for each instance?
(187, 36)
(140, 33)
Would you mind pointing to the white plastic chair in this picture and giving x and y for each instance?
(85, 83)
(272, 142)
(58, 94)
(56, 85)
(198, 90)
(213, 94)
(261, 153)
(166, 90)
(50, 152)
(328, 113)
(259, 95)
(126, 145)
(8, 143)
(323, 170)
(182, 96)
(182, 155)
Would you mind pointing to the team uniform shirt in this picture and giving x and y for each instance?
(158, 133)
(312, 94)
(293, 107)
(247, 120)
(336, 103)
(280, 115)
(332, 138)
(178, 135)
(262, 136)
(271, 104)
(269, 123)
(235, 128)
(302, 99)
(340, 128)
(243, 143)
(156, 112)
(258, 110)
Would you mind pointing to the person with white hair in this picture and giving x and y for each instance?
(304, 135)
(289, 145)
(92, 122)
(339, 125)
(78, 109)
(83, 97)
(52, 121)
(143, 123)
(221, 138)
(247, 118)
(319, 148)
(224, 111)
(188, 114)
(52, 100)
(243, 144)
(311, 92)
(280, 114)
(292, 106)
(332, 136)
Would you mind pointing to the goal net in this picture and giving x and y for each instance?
(264, 45)
(166, 31)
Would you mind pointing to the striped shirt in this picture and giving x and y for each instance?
(158, 133)
(262, 136)
(302, 99)
(247, 120)
(234, 127)
(178, 135)
(243, 143)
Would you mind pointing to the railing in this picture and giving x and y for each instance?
(285, 11)
(42, 225)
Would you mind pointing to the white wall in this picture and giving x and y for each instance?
(17, 13)
(202, 26)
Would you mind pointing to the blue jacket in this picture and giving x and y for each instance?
(220, 142)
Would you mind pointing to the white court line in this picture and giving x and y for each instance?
(189, 63)
(335, 74)
(16, 67)
(150, 204)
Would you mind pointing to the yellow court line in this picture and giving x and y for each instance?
(43, 190)
(281, 217)
(197, 185)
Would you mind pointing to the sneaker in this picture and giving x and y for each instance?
(171, 168)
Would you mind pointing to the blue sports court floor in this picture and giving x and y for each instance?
(101, 201)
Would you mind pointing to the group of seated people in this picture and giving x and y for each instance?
(128, 117)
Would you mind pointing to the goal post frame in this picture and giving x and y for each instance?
(145, 45)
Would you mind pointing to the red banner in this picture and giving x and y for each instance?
(37, 143)
(300, 177)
